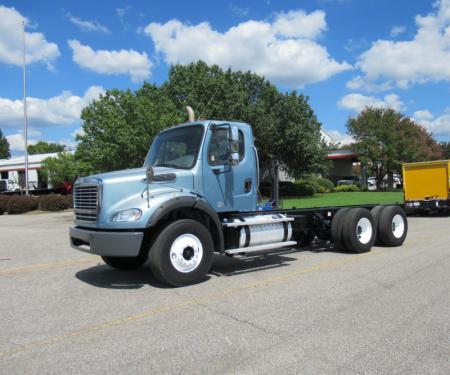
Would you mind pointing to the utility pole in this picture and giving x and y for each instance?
(25, 117)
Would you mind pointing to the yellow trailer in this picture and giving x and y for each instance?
(427, 185)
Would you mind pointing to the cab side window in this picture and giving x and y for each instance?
(218, 147)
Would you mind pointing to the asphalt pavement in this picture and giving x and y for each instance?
(310, 311)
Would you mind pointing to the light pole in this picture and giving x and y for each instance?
(25, 117)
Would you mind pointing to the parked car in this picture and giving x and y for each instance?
(351, 180)
(9, 185)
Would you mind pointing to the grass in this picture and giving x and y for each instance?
(344, 199)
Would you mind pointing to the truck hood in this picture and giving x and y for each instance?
(184, 178)
(128, 189)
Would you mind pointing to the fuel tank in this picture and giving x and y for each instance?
(262, 229)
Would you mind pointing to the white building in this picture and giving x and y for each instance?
(14, 169)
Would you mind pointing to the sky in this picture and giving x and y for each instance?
(343, 54)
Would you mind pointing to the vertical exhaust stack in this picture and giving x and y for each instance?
(191, 113)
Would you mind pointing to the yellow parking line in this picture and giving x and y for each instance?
(163, 309)
(45, 266)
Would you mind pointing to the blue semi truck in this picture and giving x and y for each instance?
(196, 195)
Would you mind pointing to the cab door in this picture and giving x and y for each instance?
(228, 188)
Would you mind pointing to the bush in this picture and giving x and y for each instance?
(305, 188)
(325, 183)
(17, 204)
(287, 189)
(290, 189)
(346, 188)
(3, 204)
(54, 202)
(321, 184)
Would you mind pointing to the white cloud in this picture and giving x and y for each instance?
(11, 50)
(283, 50)
(17, 142)
(424, 58)
(239, 11)
(64, 109)
(130, 62)
(77, 132)
(121, 13)
(299, 24)
(357, 102)
(397, 30)
(88, 25)
(362, 83)
(438, 126)
(341, 138)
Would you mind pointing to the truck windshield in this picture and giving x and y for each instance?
(176, 148)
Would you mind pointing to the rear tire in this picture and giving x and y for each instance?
(358, 230)
(124, 263)
(182, 253)
(336, 229)
(376, 213)
(393, 226)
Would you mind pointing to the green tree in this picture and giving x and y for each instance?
(386, 139)
(64, 167)
(44, 148)
(445, 147)
(4, 147)
(120, 125)
(284, 125)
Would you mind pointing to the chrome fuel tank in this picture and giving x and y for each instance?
(263, 230)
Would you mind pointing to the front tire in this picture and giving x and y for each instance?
(124, 263)
(182, 253)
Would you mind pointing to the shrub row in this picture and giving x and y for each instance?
(319, 184)
(306, 186)
(347, 188)
(16, 204)
(288, 189)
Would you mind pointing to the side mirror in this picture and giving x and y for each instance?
(233, 145)
(150, 174)
(159, 178)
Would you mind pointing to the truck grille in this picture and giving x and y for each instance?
(86, 202)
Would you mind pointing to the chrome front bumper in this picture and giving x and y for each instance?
(115, 244)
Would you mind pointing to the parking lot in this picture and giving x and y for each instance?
(312, 311)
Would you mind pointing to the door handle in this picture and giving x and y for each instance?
(248, 185)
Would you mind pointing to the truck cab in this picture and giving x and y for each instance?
(196, 194)
(201, 150)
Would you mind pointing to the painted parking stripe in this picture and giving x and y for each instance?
(193, 301)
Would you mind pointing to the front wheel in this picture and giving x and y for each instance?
(182, 253)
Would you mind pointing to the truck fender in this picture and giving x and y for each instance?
(196, 204)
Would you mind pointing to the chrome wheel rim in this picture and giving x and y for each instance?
(364, 230)
(186, 253)
(398, 226)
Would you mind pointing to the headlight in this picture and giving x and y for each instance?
(132, 214)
